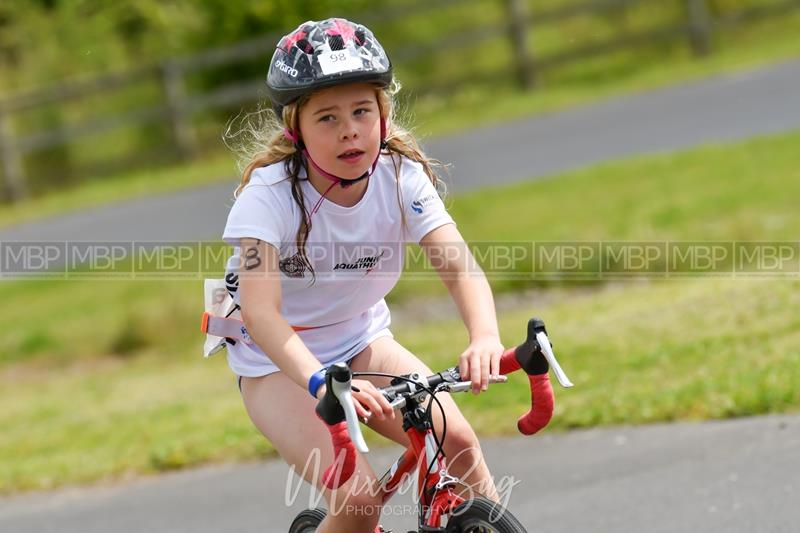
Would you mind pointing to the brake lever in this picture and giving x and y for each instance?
(547, 350)
(342, 390)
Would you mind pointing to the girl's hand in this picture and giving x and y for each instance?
(480, 360)
(368, 401)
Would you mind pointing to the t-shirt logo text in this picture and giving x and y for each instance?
(419, 204)
(362, 263)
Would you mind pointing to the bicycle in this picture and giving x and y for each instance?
(437, 499)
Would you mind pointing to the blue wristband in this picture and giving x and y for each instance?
(316, 380)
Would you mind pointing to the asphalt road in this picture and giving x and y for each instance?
(739, 476)
(728, 107)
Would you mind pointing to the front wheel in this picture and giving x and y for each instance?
(480, 515)
(307, 521)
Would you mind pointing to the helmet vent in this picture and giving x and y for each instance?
(360, 37)
(336, 42)
(305, 46)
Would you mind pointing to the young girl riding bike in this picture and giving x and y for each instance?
(337, 175)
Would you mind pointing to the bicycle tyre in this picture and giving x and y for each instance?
(480, 515)
(307, 521)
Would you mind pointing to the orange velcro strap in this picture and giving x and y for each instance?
(233, 328)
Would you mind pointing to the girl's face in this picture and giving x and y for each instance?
(341, 129)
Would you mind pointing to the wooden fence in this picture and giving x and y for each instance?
(178, 107)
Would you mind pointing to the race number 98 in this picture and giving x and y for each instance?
(339, 61)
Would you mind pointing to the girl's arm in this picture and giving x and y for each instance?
(260, 298)
(450, 256)
(260, 294)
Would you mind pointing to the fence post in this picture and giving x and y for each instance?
(699, 27)
(15, 185)
(179, 117)
(517, 32)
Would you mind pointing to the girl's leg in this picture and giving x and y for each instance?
(284, 413)
(465, 458)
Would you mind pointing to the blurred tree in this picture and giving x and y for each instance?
(47, 40)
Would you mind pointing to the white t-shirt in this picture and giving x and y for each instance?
(356, 253)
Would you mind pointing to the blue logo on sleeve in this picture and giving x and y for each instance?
(419, 205)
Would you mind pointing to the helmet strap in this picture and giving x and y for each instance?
(342, 182)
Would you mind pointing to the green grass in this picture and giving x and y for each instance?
(663, 351)
(59, 322)
(106, 418)
(725, 192)
(102, 379)
(744, 191)
(673, 350)
(737, 50)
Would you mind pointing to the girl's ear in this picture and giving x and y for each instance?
(289, 134)
(294, 137)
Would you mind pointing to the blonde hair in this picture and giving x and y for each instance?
(260, 142)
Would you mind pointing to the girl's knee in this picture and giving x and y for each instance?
(461, 444)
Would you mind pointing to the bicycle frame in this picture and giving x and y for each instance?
(435, 487)
(420, 454)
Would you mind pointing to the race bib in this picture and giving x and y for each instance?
(218, 302)
(337, 61)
